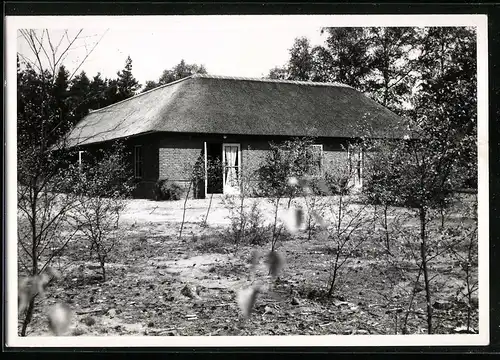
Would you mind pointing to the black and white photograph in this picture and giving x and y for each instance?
(247, 180)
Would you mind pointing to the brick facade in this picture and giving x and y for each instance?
(177, 154)
(172, 157)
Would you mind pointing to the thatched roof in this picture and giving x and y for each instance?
(225, 105)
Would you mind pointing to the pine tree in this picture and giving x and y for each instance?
(79, 92)
(60, 93)
(127, 85)
(98, 90)
(111, 92)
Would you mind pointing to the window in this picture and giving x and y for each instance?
(138, 162)
(317, 153)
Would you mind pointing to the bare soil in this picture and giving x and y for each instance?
(144, 292)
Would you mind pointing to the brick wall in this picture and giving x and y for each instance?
(177, 154)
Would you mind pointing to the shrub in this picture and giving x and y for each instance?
(256, 233)
(246, 224)
(168, 190)
(212, 245)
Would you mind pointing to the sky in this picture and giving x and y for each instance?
(245, 46)
(228, 46)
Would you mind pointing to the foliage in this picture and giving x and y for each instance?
(348, 223)
(425, 74)
(44, 115)
(167, 190)
(246, 222)
(196, 173)
(102, 187)
(126, 84)
(179, 71)
(214, 169)
(300, 64)
(343, 58)
(464, 249)
(291, 158)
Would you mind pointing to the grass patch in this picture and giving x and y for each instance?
(212, 245)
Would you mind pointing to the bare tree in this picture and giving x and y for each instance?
(43, 171)
(347, 220)
(102, 189)
(196, 174)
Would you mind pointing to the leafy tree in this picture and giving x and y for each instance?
(41, 211)
(392, 64)
(126, 83)
(445, 106)
(300, 65)
(291, 158)
(411, 71)
(277, 73)
(348, 223)
(150, 85)
(111, 93)
(179, 71)
(344, 57)
(61, 92)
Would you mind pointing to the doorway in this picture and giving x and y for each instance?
(223, 167)
(231, 159)
(214, 183)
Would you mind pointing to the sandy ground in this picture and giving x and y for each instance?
(148, 274)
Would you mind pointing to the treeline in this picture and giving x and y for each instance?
(73, 97)
(427, 75)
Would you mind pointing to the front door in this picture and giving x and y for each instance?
(231, 158)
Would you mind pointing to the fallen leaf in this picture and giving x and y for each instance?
(254, 259)
(246, 300)
(275, 261)
(59, 318)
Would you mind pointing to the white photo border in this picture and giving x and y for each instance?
(13, 23)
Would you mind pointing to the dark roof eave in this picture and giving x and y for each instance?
(113, 139)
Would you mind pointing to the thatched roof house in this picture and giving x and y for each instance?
(233, 119)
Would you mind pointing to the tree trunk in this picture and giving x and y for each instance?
(423, 254)
(208, 210)
(242, 219)
(386, 229)
(34, 237)
(334, 276)
(103, 268)
(184, 209)
(34, 259)
(410, 304)
(442, 218)
(273, 242)
(469, 297)
(28, 317)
